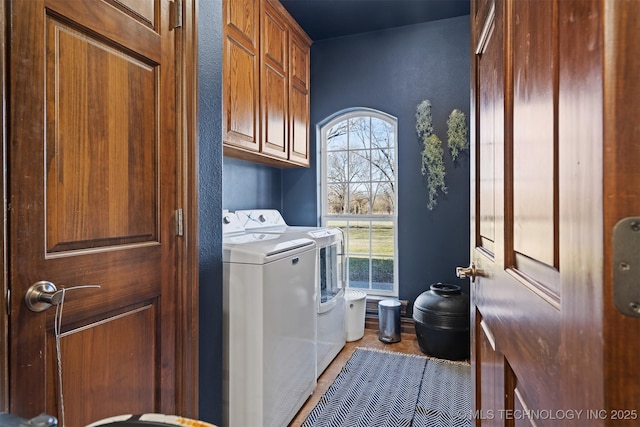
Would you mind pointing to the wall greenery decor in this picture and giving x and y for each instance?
(432, 153)
(434, 164)
(424, 121)
(457, 133)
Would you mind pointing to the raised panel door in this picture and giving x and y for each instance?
(518, 339)
(552, 158)
(92, 199)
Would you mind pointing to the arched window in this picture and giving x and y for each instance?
(359, 194)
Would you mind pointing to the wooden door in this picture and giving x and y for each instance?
(548, 347)
(92, 193)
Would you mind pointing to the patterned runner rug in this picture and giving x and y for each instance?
(377, 388)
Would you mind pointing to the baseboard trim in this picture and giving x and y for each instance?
(372, 306)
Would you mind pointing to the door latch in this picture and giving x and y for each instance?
(179, 223)
(626, 266)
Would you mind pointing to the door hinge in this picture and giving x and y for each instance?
(179, 223)
(176, 14)
(626, 266)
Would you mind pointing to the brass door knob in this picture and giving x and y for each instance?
(469, 272)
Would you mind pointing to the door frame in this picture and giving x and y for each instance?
(4, 316)
(187, 250)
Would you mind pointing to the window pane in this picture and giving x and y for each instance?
(382, 238)
(359, 200)
(337, 166)
(382, 165)
(382, 133)
(359, 272)
(342, 225)
(359, 234)
(383, 199)
(337, 137)
(359, 166)
(337, 197)
(382, 273)
(359, 133)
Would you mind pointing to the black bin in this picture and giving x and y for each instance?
(441, 318)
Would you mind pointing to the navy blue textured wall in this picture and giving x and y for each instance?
(393, 71)
(210, 207)
(247, 185)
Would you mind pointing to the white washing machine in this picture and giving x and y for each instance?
(331, 336)
(269, 301)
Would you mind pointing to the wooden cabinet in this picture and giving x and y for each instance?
(265, 84)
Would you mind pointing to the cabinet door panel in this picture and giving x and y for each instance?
(274, 38)
(299, 62)
(240, 97)
(274, 113)
(241, 17)
(274, 101)
(299, 126)
(299, 100)
(240, 74)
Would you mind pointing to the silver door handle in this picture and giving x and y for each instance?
(469, 272)
(43, 294)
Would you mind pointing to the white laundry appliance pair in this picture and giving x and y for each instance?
(269, 316)
(331, 335)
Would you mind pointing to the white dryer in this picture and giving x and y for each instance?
(269, 301)
(331, 336)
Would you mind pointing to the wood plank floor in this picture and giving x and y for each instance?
(408, 344)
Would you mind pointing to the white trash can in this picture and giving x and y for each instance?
(355, 302)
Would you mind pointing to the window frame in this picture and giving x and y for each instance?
(321, 134)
